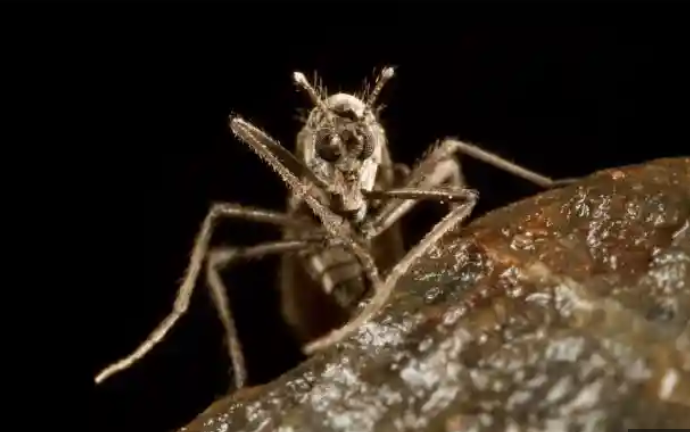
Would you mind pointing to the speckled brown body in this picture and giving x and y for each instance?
(566, 311)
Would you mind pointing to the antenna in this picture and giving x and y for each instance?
(386, 74)
(302, 82)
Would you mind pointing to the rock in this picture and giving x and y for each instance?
(565, 311)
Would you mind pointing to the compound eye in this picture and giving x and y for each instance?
(358, 142)
(361, 144)
(368, 147)
(328, 147)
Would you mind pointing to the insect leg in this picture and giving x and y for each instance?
(452, 195)
(504, 164)
(223, 257)
(438, 167)
(184, 293)
(381, 296)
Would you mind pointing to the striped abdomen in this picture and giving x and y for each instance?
(339, 273)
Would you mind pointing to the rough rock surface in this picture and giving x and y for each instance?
(566, 311)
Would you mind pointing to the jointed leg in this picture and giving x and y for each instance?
(186, 289)
(437, 177)
(222, 257)
(441, 167)
(504, 164)
(381, 296)
(437, 168)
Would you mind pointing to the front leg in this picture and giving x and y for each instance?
(304, 185)
(439, 167)
(378, 301)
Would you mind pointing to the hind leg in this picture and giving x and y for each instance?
(220, 258)
(184, 292)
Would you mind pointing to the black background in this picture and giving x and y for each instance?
(565, 89)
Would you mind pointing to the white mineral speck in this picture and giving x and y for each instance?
(559, 389)
(668, 383)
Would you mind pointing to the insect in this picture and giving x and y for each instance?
(340, 227)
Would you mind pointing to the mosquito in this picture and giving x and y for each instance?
(341, 224)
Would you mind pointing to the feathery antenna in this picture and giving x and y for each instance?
(385, 75)
(302, 82)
